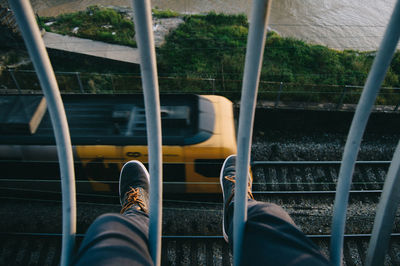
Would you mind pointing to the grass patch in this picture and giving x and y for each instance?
(168, 13)
(96, 23)
(214, 46)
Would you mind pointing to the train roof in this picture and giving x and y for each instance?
(106, 119)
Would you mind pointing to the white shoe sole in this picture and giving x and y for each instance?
(221, 178)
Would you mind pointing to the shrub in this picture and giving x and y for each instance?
(103, 24)
(164, 13)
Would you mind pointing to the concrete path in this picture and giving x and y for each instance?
(93, 48)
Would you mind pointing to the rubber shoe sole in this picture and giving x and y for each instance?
(221, 179)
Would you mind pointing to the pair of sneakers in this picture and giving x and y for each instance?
(134, 187)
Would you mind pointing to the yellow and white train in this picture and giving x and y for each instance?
(108, 130)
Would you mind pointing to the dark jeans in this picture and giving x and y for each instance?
(271, 238)
(115, 239)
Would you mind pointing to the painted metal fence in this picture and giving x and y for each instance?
(375, 78)
(37, 51)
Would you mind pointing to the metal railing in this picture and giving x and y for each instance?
(256, 43)
(375, 78)
(37, 51)
(252, 70)
(148, 66)
(275, 92)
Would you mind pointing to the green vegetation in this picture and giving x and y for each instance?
(213, 46)
(102, 24)
(206, 54)
(158, 13)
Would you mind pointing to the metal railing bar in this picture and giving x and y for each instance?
(364, 108)
(251, 77)
(37, 51)
(136, 75)
(148, 67)
(385, 214)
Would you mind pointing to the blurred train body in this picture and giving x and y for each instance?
(108, 130)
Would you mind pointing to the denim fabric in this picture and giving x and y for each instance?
(115, 239)
(272, 238)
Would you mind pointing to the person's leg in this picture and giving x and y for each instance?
(271, 237)
(121, 239)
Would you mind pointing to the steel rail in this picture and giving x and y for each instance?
(260, 192)
(251, 78)
(148, 67)
(385, 214)
(33, 40)
(182, 183)
(375, 78)
(311, 192)
(189, 236)
(253, 163)
(256, 163)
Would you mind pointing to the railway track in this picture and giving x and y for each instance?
(304, 188)
(315, 176)
(269, 177)
(44, 249)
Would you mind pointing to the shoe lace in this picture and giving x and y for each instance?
(133, 197)
(232, 179)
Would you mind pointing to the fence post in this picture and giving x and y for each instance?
(15, 80)
(112, 82)
(339, 105)
(213, 85)
(79, 82)
(278, 97)
(397, 107)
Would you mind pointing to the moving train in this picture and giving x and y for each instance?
(198, 133)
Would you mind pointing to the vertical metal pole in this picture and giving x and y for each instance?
(385, 214)
(341, 98)
(254, 56)
(79, 81)
(112, 83)
(15, 80)
(364, 107)
(37, 51)
(279, 95)
(213, 84)
(398, 104)
(145, 40)
(396, 107)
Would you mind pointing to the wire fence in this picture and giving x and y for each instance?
(25, 81)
